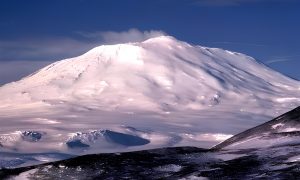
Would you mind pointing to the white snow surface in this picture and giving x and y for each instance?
(294, 159)
(157, 93)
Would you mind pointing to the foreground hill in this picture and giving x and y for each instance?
(281, 131)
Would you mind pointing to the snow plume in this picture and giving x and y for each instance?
(113, 37)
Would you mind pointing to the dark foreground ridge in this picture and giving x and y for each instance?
(276, 127)
(276, 162)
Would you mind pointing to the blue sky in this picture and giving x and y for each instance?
(34, 33)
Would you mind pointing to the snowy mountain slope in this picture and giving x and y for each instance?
(281, 131)
(158, 93)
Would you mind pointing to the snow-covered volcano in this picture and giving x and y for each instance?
(160, 74)
(160, 92)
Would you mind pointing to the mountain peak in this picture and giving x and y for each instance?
(159, 40)
(163, 38)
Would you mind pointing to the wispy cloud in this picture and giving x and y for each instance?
(55, 48)
(282, 59)
(277, 61)
(20, 57)
(49, 48)
(15, 70)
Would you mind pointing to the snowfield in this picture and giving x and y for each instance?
(228, 160)
(158, 93)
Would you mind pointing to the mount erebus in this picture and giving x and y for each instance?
(158, 93)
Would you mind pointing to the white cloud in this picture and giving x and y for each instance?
(282, 59)
(276, 61)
